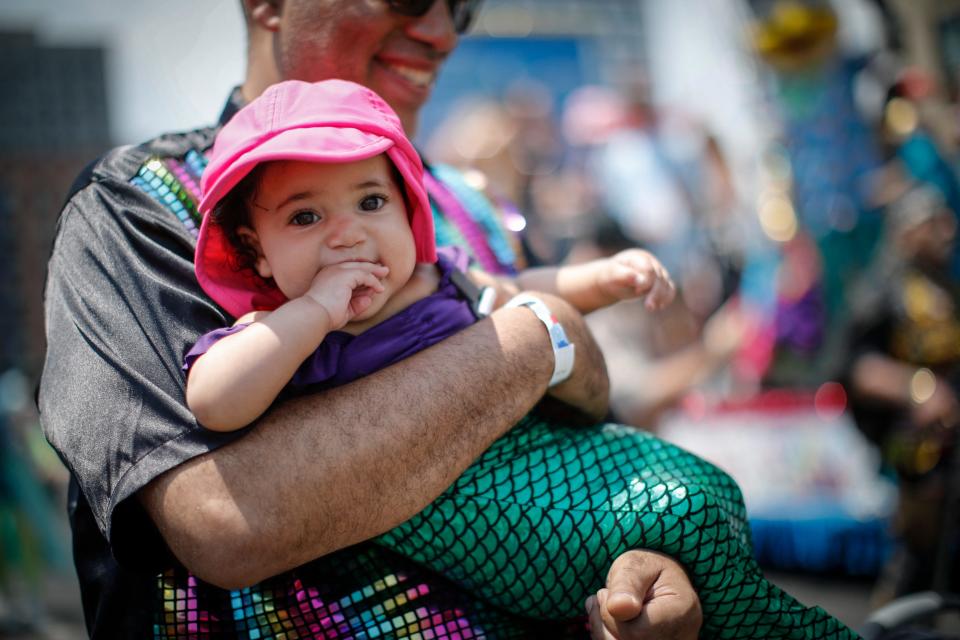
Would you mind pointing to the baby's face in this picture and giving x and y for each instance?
(307, 216)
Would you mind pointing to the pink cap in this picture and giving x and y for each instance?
(329, 121)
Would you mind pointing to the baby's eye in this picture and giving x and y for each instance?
(372, 203)
(303, 218)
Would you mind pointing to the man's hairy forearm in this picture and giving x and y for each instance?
(325, 471)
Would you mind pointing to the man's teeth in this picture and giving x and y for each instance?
(418, 77)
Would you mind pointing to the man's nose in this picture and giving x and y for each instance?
(435, 28)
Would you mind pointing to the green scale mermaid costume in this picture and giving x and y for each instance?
(534, 523)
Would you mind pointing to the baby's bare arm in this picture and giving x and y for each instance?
(599, 283)
(232, 384)
(240, 376)
(591, 285)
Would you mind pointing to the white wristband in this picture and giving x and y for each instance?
(563, 350)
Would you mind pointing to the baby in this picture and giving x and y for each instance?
(317, 235)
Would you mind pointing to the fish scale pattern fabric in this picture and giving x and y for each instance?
(534, 523)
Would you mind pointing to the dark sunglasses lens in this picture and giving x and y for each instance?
(462, 11)
(415, 8)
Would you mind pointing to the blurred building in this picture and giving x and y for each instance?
(616, 26)
(53, 121)
(552, 45)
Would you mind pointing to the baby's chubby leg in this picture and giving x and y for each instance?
(536, 522)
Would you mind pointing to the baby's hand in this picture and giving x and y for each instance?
(346, 290)
(634, 273)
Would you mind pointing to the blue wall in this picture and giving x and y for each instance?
(486, 66)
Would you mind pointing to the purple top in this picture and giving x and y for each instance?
(343, 357)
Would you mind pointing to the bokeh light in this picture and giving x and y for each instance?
(923, 385)
(901, 116)
(830, 401)
(777, 218)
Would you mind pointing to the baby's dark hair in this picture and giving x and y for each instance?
(232, 213)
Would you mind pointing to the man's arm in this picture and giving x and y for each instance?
(321, 472)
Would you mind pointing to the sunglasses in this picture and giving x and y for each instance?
(462, 11)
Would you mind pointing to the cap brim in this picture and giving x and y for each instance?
(310, 144)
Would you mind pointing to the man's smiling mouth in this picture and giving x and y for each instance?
(418, 77)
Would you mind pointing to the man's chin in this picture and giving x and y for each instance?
(410, 123)
(404, 97)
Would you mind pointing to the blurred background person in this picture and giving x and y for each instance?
(903, 382)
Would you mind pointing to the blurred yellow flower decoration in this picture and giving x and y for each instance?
(794, 34)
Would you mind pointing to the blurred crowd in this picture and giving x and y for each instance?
(833, 279)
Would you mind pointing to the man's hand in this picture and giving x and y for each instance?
(648, 597)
